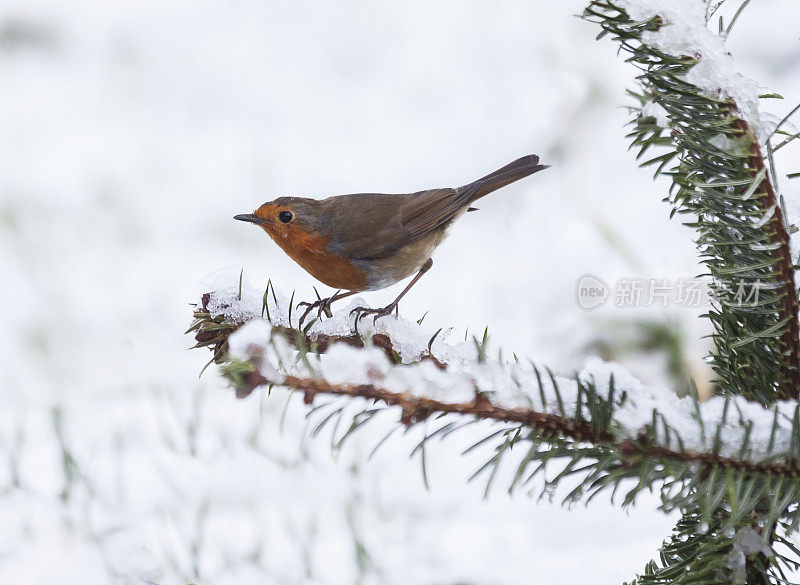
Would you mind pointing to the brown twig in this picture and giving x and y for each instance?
(417, 408)
(784, 265)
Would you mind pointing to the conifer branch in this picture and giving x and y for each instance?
(592, 422)
(721, 473)
(213, 332)
(720, 181)
(582, 432)
(418, 408)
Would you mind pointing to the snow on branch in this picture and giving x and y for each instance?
(396, 362)
(701, 114)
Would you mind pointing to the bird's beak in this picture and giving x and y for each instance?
(251, 217)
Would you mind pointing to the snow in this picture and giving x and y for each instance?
(747, 542)
(681, 415)
(686, 33)
(246, 343)
(658, 112)
(411, 340)
(239, 301)
(722, 142)
(512, 384)
(768, 213)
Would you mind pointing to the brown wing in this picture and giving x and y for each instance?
(374, 225)
(362, 225)
(430, 210)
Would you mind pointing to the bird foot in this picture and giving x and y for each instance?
(361, 312)
(322, 306)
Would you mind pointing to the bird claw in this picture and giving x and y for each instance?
(361, 312)
(321, 305)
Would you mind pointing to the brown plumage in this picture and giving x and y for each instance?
(368, 241)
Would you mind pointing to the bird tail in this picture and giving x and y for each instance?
(512, 172)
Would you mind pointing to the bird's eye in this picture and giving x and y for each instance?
(285, 216)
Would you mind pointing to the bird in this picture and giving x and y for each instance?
(370, 241)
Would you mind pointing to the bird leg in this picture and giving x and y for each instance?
(387, 310)
(321, 305)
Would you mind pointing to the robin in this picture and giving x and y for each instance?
(369, 241)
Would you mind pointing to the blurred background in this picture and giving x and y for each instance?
(132, 132)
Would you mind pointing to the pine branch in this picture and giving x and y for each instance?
(212, 331)
(588, 417)
(721, 181)
(599, 432)
(584, 432)
(702, 552)
(419, 408)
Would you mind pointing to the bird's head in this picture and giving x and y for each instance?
(285, 217)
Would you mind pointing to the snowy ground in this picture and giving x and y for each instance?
(132, 132)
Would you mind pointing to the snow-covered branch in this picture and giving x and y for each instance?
(397, 362)
(699, 112)
(730, 464)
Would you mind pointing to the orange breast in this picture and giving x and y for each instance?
(310, 252)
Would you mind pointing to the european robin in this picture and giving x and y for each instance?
(369, 241)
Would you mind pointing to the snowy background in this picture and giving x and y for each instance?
(132, 132)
